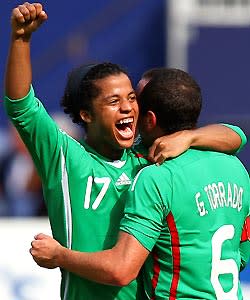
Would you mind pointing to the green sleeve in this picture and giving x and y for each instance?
(41, 135)
(240, 132)
(144, 210)
(36, 128)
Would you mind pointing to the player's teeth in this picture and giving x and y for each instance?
(126, 121)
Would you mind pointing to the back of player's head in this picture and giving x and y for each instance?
(175, 98)
(81, 89)
(149, 74)
(146, 77)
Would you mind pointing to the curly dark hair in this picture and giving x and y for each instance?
(174, 96)
(81, 89)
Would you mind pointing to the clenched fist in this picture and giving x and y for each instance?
(26, 18)
(44, 250)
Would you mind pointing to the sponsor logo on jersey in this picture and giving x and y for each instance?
(123, 180)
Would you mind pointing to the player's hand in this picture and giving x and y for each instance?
(170, 146)
(45, 250)
(26, 18)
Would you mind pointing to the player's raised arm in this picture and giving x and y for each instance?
(25, 19)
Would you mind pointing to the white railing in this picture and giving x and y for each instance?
(184, 17)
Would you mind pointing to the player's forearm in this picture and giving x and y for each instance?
(216, 137)
(116, 266)
(18, 71)
(101, 267)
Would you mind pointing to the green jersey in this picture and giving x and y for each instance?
(190, 213)
(82, 191)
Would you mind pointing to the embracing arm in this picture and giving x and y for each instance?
(25, 19)
(116, 266)
(217, 137)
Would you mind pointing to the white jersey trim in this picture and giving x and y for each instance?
(117, 163)
(68, 215)
(137, 176)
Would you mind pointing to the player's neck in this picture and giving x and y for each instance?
(105, 150)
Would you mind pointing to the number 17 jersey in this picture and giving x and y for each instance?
(82, 190)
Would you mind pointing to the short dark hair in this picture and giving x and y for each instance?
(81, 90)
(149, 74)
(175, 98)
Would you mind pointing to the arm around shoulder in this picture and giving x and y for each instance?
(219, 137)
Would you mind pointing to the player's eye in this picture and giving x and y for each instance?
(132, 97)
(114, 101)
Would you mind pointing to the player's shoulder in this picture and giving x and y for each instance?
(198, 156)
(154, 172)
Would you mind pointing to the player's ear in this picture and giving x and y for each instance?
(150, 120)
(86, 116)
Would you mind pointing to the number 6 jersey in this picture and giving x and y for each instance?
(192, 213)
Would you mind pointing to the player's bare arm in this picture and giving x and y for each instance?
(216, 137)
(116, 266)
(25, 19)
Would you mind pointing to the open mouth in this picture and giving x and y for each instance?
(125, 127)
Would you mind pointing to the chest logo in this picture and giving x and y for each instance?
(123, 180)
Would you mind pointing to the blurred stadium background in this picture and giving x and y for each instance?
(208, 38)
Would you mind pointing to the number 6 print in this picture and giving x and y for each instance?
(223, 266)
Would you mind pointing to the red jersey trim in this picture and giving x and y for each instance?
(140, 155)
(246, 231)
(175, 245)
(175, 241)
(156, 273)
(137, 154)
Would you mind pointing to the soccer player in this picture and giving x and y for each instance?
(83, 183)
(191, 213)
(158, 152)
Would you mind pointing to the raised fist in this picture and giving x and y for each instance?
(26, 18)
